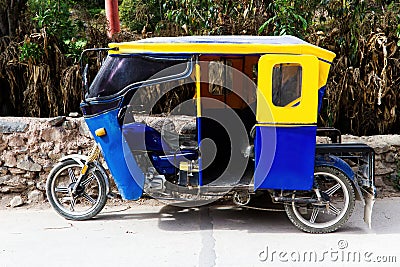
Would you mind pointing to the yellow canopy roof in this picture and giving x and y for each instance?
(240, 44)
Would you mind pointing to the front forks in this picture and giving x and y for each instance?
(93, 155)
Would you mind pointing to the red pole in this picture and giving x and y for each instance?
(112, 17)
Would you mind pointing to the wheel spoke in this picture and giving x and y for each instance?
(71, 175)
(334, 210)
(89, 198)
(72, 204)
(333, 189)
(61, 189)
(314, 215)
(87, 181)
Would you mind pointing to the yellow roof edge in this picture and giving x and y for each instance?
(221, 48)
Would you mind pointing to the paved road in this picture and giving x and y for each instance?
(209, 236)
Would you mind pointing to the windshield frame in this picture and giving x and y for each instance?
(190, 59)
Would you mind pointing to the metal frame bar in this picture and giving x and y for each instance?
(334, 134)
(347, 148)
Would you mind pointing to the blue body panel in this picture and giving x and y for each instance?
(144, 138)
(199, 137)
(321, 93)
(165, 160)
(113, 152)
(284, 157)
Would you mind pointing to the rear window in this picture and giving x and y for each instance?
(286, 84)
(118, 72)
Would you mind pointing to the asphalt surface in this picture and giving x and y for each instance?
(208, 236)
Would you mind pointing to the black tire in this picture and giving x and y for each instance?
(87, 203)
(305, 216)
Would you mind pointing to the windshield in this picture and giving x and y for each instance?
(118, 72)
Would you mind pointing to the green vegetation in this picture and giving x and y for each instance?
(30, 51)
(289, 17)
(39, 72)
(54, 19)
(43, 39)
(140, 15)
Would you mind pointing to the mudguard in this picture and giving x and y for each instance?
(336, 162)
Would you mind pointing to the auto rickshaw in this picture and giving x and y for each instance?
(193, 119)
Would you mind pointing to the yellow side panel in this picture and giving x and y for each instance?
(323, 72)
(198, 91)
(306, 111)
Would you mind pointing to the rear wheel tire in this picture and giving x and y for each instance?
(329, 214)
(91, 195)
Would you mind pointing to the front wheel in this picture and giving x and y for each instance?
(335, 197)
(90, 196)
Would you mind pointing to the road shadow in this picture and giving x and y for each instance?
(220, 217)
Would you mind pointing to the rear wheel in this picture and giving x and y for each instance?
(332, 210)
(90, 196)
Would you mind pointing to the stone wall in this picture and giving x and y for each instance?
(29, 147)
(387, 161)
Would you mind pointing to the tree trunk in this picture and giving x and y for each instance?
(3, 18)
(11, 21)
(10, 14)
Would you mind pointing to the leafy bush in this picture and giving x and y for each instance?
(137, 14)
(291, 17)
(363, 90)
(212, 17)
(54, 17)
(30, 51)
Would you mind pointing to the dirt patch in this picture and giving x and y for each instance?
(113, 203)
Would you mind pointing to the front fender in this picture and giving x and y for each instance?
(78, 158)
(81, 159)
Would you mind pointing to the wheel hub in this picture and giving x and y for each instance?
(325, 197)
(323, 204)
(79, 190)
